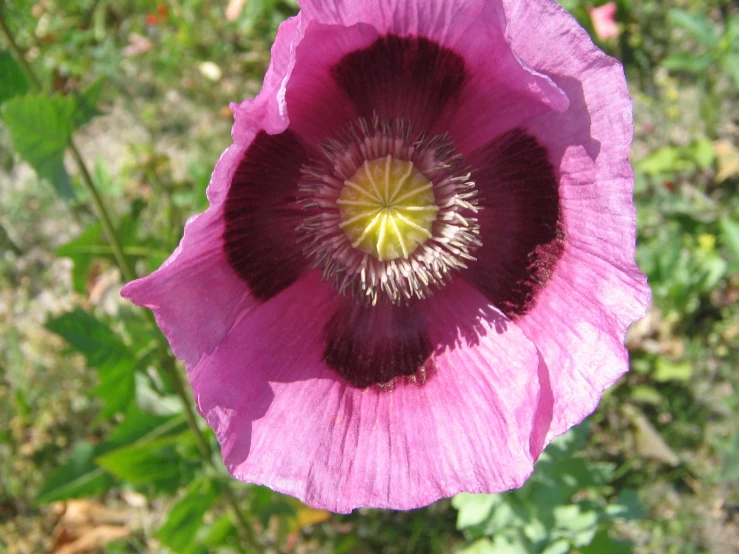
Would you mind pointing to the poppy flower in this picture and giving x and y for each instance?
(417, 267)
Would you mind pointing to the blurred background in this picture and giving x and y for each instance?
(97, 453)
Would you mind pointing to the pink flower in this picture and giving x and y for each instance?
(417, 267)
(604, 21)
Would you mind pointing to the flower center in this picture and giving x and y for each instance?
(387, 208)
(390, 214)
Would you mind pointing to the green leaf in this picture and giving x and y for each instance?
(14, 82)
(702, 153)
(41, 129)
(602, 543)
(221, 533)
(730, 234)
(87, 102)
(156, 462)
(102, 348)
(665, 370)
(186, 516)
(688, 62)
(696, 24)
(83, 250)
(90, 336)
(626, 506)
(77, 478)
(576, 523)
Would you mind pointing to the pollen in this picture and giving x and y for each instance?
(387, 208)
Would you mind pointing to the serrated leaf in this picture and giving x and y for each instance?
(104, 351)
(40, 128)
(186, 516)
(13, 82)
(90, 336)
(77, 478)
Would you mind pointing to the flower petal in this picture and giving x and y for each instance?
(286, 420)
(195, 295)
(371, 345)
(520, 227)
(498, 92)
(261, 211)
(596, 289)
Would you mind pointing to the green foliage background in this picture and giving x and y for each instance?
(90, 398)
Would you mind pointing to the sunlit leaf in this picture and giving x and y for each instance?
(41, 128)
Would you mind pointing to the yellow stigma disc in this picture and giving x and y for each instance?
(387, 208)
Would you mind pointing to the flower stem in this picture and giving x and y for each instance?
(25, 67)
(168, 363)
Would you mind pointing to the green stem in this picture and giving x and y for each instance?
(246, 532)
(102, 212)
(27, 70)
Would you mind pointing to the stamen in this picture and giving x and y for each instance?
(391, 214)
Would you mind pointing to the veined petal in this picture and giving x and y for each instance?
(596, 290)
(287, 421)
(499, 92)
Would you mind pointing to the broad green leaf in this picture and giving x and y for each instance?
(41, 128)
(186, 516)
(140, 427)
(104, 351)
(90, 336)
(117, 387)
(77, 478)
(475, 509)
(158, 462)
(13, 82)
(696, 24)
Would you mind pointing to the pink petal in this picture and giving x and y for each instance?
(286, 421)
(500, 93)
(196, 296)
(596, 290)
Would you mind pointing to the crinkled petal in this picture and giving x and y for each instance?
(287, 421)
(499, 93)
(596, 290)
(195, 295)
